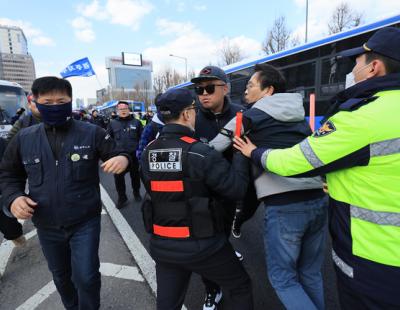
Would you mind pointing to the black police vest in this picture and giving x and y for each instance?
(66, 190)
(126, 134)
(180, 207)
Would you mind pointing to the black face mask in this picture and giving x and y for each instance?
(55, 114)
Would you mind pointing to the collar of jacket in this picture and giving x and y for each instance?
(177, 129)
(128, 118)
(364, 89)
(225, 109)
(62, 127)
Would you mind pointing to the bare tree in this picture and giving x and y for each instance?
(343, 17)
(167, 78)
(230, 53)
(277, 37)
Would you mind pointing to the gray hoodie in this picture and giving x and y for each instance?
(284, 107)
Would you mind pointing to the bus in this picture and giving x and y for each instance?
(109, 106)
(12, 97)
(311, 68)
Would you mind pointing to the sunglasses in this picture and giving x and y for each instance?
(210, 89)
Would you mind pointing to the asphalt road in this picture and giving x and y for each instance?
(250, 245)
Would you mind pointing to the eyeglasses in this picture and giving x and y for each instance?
(210, 89)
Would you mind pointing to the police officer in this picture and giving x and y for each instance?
(359, 150)
(126, 131)
(185, 179)
(59, 158)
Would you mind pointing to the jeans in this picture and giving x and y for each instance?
(294, 239)
(72, 255)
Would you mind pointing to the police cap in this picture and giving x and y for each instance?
(385, 42)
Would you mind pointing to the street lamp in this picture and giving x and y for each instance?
(306, 21)
(185, 59)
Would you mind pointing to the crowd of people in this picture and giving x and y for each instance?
(206, 165)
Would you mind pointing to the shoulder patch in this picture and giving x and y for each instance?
(325, 129)
(165, 160)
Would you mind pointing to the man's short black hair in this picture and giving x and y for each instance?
(122, 102)
(50, 84)
(391, 65)
(170, 118)
(270, 76)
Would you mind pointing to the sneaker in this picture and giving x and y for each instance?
(121, 202)
(137, 196)
(20, 241)
(212, 300)
(239, 256)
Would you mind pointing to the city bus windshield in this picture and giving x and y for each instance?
(11, 99)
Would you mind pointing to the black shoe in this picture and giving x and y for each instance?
(137, 196)
(236, 232)
(121, 202)
(212, 300)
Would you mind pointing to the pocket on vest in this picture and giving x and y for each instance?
(202, 218)
(33, 168)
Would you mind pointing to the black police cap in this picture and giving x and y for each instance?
(173, 101)
(385, 42)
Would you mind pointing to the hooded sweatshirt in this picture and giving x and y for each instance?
(275, 121)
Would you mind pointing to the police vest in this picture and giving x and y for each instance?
(180, 206)
(126, 134)
(66, 190)
(365, 216)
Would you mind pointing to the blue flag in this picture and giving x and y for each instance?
(81, 67)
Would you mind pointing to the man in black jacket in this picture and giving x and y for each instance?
(182, 174)
(216, 110)
(126, 130)
(59, 158)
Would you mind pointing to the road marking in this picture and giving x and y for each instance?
(6, 249)
(138, 251)
(121, 271)
(106, 269)
(39, 297)
(103, 211)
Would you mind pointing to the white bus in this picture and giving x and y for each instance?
(12, 97)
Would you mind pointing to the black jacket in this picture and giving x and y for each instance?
(64, 168)
(223, 181)
(209, 124)
(126, 133)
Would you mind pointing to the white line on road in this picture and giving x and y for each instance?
(39, 297)
(138, 251)
(6, 249)
(106, 269)
(121, 271)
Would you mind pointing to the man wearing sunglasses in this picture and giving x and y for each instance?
(216, 110)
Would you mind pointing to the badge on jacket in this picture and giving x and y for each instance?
(165, 160)
(325, 129)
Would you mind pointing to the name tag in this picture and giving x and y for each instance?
(165, 160)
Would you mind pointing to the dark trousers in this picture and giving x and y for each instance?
(351, 300)
(10, 227)
(72, 256)
(222, 267)
(133, 170)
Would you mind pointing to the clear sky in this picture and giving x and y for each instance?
(60, 32)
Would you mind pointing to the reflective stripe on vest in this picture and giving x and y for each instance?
(387, 147)
(310, 155)
(171, 232)
(376, 217)
(340, 263)
(167, 186)
(188, 139)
